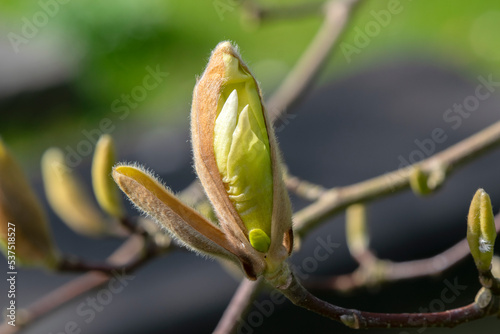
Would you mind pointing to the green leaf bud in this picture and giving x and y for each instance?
(481, 231)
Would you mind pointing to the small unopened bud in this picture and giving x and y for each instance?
(481, 231)
(105, 189)
(68, 197)
(419, 182)
(24, 230)
(356, 230)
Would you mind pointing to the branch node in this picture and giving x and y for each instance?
(350, 320)
(484, 298)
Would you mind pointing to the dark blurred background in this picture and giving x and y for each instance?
(60, 76)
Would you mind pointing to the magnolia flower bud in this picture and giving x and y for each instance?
(237, 157)
(67, 196)
(237, 160)
(105, 189)
(481, 231)
(24, 230)
(189, 227)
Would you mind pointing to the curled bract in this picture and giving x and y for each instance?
(238, 163)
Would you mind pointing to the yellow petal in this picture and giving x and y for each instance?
(105, 189)
(224, 129)
(23, 225)
(68, 197)
(249, 175)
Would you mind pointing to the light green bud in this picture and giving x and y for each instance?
(481, 232)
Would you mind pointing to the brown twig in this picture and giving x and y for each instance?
(483, 306)
(304, 189)
(76, 265)
(383, 271)
(444, 163)
(238, 306)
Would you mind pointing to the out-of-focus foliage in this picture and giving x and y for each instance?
(111, 43)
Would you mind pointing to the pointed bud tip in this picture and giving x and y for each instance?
(226, 47)
(129, 171)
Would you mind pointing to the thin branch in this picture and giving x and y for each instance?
(132, 226)
(383, 271)
(76, 265)
(440, 165)
(337, 15)
(238, 306)
(129, 256)
(304, 189)
(486, 304)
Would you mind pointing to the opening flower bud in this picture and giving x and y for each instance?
(237, 157)
(24, 229)
(237, 160)
(105, 189)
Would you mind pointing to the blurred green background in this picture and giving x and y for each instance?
(75, 64)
